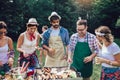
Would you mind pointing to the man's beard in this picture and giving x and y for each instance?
(55, 26)
(81, 34)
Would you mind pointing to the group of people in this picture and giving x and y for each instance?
(60, 50)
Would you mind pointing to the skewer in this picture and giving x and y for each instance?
(25, 66)
(22, 67)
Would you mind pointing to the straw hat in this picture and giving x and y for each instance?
(32, 21)
(54, 14)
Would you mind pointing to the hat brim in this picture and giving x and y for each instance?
(53, 15)
(36, 24)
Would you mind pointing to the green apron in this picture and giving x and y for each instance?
(81, 51)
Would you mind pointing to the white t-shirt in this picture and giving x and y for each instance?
(55, 32)
(109, 52)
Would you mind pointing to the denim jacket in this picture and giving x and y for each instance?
(63, 34)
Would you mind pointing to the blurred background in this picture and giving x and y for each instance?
(98, 12)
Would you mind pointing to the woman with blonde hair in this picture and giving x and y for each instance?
(109, 54)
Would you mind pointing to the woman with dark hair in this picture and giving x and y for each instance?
(6, 50)
(26, 45)
(109, 54)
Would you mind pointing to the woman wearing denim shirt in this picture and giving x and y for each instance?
(55, 41)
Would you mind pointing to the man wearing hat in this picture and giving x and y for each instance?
(26, 45)
(55, 41)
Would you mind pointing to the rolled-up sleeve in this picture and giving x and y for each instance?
(45, 39)
(93, 43)
(95, 46)
(72, 43)
(67, 38)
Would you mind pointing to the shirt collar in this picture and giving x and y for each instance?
(85, 35)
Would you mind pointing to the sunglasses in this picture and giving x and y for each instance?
(3, 33)
(81, 29)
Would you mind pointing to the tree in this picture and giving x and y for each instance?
(17, 12)
(106, 12)
(9, 14)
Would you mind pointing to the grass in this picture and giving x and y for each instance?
(96, 69)
(16, 55)
(96, 72)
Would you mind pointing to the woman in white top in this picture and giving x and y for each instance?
(6, 50)
(109, 56)
(27, 43)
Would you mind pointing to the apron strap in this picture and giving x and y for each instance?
(64, 49)
(85, 38)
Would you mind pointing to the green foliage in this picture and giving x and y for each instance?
(117, 40)
(97, 12)
(118, 23)
(17, 13)
(107, 11)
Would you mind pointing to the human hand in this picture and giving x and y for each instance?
(51, 51)
(38, 48)
(10, 62)
(99, 60)
(64, 57)
(25, 54)
(87, 59)
(69, 60)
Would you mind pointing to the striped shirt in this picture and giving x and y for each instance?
(90, 38)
